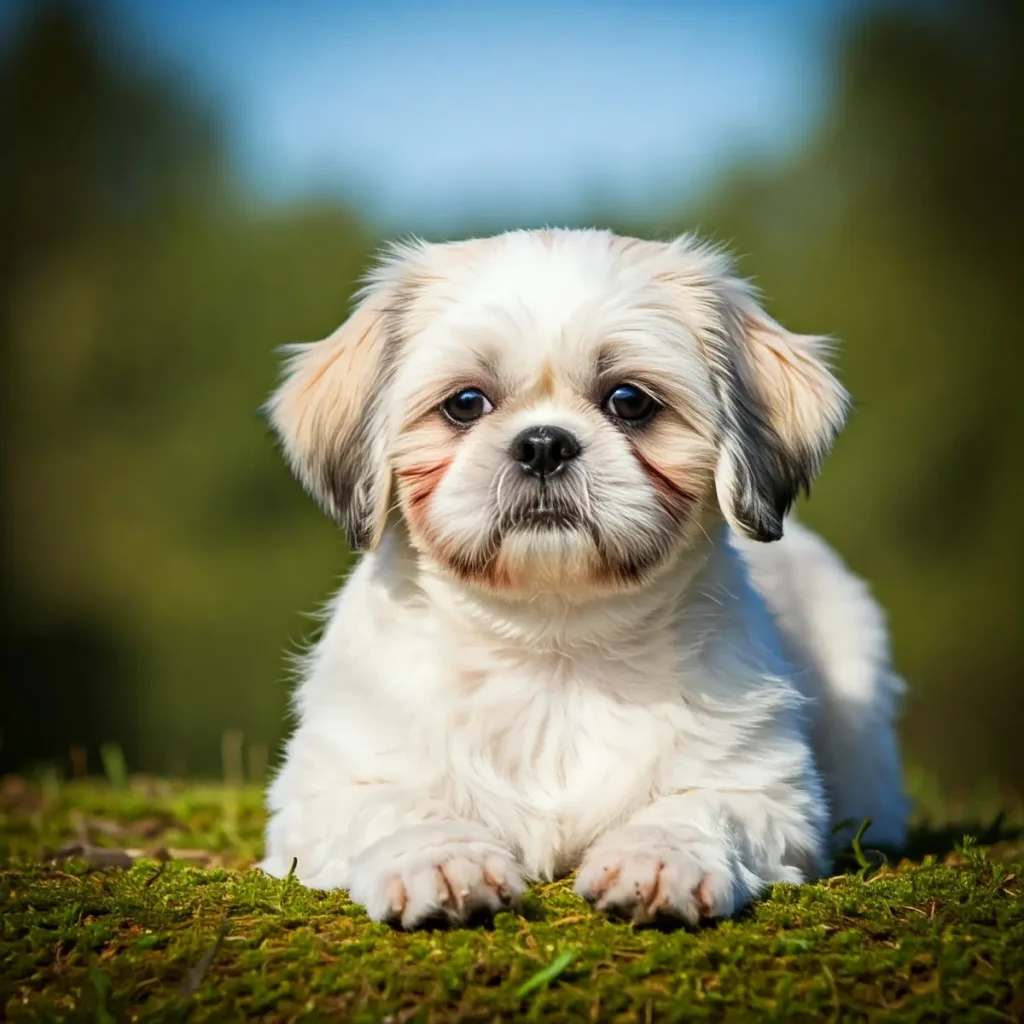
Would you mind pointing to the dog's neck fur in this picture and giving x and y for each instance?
(694, 584)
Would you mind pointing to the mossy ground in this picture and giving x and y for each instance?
(199, 936)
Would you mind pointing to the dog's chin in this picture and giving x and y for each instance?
(546, 554)
(553, 552)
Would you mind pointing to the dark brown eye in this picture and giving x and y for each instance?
(466, 406)
(632, 404)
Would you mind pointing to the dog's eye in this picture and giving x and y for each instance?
(466, 406)
(630, 403)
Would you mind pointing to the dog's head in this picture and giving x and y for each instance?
(557, 410)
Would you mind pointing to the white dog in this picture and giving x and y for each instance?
(568, 646)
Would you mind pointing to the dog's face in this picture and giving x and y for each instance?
(557, 411)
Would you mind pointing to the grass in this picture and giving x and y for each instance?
(151, 912)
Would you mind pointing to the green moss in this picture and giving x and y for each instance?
(208, 939)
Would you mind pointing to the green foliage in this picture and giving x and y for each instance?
(157, 559)
(204, 936)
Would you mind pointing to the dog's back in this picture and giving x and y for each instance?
(836, 634)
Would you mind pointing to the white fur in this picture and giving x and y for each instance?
(683, 743)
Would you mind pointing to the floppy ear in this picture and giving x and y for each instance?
(783, 409)
(329, 414)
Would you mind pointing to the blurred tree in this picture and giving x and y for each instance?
(140, 303)
(156, 556)
(93, 141)
(91, 147)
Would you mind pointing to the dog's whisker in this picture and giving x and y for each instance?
(700, 526)
(502, 476)
(585, 487)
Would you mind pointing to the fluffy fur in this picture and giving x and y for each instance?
(608, 670)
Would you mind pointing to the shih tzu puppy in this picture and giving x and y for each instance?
(570, 644)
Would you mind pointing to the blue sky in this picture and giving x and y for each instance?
(428, 114)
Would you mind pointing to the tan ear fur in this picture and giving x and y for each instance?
(783, 410)
(329, 414)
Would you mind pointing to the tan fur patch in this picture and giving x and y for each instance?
(790, 379)
(417, 485)
(320, 412)
(678, 462)
(547, 381)
(471, 680)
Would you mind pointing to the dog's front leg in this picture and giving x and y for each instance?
(404, 855)
(703, 853)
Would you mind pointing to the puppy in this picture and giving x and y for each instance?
(569, 644)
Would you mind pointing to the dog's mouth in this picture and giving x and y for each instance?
(541, 515)
(552, 518)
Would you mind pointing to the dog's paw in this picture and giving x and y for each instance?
(428, 873)
(642, 874)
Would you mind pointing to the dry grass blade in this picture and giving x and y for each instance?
(194, 978)
(197, 858)
(97, 856)
(108, 857)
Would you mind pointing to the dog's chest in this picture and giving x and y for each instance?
(551, 750)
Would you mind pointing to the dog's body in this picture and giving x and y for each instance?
(609, 670)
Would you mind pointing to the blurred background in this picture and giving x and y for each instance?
(184, 187)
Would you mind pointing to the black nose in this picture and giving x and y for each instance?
(543, 451)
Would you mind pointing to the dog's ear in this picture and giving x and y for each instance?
(330, 415)
(782, 410)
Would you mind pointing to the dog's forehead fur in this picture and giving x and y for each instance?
(546, 306)
(549, 274)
